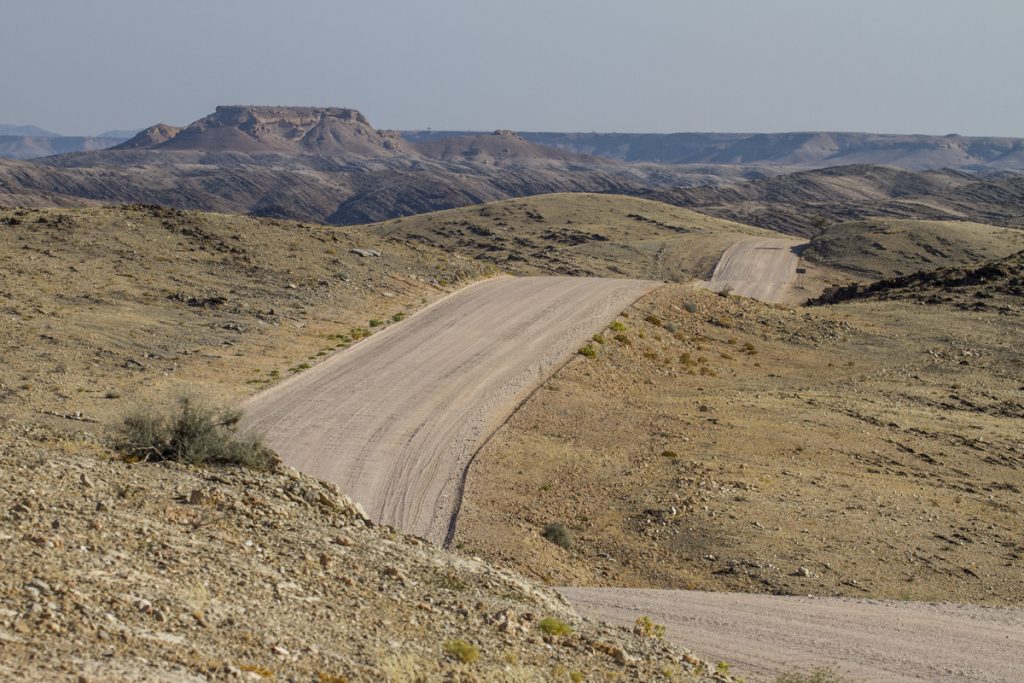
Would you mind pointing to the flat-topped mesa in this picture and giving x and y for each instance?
(324, 131)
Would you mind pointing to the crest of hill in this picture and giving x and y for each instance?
(150, 137)
(579, 234)
(886, 248)
(496, 148)
(323, 131)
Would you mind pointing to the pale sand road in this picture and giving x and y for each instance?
(395, 420)
(762, 636)
(759, 268)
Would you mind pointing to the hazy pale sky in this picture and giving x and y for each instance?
(908, 66)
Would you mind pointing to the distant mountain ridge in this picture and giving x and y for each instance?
(27, 131)
(797, 150)
(34, 147)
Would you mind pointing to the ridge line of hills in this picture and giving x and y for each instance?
(330, 165)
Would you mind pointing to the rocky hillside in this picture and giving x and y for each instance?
(112, 571)
(888, 247)
(804, 203)
(997, 284)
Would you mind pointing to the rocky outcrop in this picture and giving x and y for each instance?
(151, 137)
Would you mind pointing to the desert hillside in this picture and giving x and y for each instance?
(579, 234)
(107, 307)
(870, 449)
(881, 248)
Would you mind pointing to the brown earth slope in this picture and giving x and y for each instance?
(867, 450)
(579, 234)
(143, 302)
(882, 248)
(111, 571)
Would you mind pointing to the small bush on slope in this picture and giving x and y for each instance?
(193, 433)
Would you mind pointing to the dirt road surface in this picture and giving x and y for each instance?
(760, 268)
(762, 636)
(395, 420)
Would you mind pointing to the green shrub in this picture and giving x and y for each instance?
(599, 338)
(462, 651)
(690, 307)
(193, 433)
(398, 317)
(617, 327)
(647, 628)
(588, 351)
(554, 627)
(671, 327)
(376, 322)
(558, 534)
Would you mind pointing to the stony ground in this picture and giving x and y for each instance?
(112, 571)
(863, 450)
(103, 308)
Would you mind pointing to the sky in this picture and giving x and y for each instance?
(890, 66)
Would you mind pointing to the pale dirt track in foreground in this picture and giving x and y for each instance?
(396, 419)
(762, 636)
(759, 268)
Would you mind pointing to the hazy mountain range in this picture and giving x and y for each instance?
(330, 165)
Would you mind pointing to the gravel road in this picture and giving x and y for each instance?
(396, 419)
(762, 636)
(759, 268)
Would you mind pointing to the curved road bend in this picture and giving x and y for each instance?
(763, 636)
(396, 419)
(759, 268)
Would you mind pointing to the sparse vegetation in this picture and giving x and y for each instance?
(825, 675)
(654, 320)
(193, 433)
(558, 534)
(645, 627)
(462, 651)
(554, 627)
(623, 339)
(617, 327)
(599, 338)
(376, 322)
(690, 307)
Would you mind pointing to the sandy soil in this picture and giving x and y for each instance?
(763, 636)
(396, 420)
(764, 269)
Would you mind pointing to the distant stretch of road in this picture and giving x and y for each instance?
(762, 636)
(395, 420)
(759, 268)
